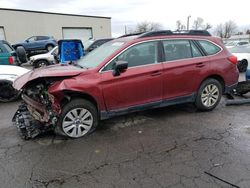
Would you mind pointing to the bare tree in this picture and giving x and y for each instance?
(180, 26)
(147, 26)
(199, 24)
(207, 26)
(226, 30)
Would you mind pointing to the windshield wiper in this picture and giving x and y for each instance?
(81, 66)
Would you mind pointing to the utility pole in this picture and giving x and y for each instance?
(125, 30)
(188, 22)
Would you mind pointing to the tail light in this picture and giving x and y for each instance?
(11, 60)
(233, 59)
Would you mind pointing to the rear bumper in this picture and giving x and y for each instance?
(229, 89)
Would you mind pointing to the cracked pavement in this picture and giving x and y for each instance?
(169, 147)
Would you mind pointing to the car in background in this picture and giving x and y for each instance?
(128, 74)
(8, 56)
(92, 44)
(37, 44)
(44, 59)
(8, 74)
(232, 44)
(243, 55)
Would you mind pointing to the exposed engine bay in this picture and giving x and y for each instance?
(37, 113)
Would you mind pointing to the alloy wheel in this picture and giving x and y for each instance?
(77, 122)
(210, 95)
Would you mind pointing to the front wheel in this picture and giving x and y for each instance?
(79, 118)
(209, 95)
(41, 63)
(49, 47)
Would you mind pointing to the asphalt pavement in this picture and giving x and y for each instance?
(169, 147)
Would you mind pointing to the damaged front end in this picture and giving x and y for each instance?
(38, 112)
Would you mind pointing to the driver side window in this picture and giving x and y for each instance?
(140, 54)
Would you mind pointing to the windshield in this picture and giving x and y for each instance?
(240, 49)
(54, 50)
(96, 57)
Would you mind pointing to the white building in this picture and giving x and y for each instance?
(18, 25)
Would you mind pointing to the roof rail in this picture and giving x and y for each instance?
(178, 32)
(131, 34)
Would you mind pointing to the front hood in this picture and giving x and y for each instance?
(40, 56)
(47, 72)
(11, 72)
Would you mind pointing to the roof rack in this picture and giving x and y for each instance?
(178, 32)
(131, 34)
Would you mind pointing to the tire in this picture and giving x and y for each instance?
(21, 54)
(40, 63)
(242, 65)
(209, 95)
(69, 125)
(7, 92)
(49, 47)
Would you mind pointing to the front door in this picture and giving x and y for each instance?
(140, 84)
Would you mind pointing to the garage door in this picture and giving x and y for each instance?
(2, 35)
(83, 34)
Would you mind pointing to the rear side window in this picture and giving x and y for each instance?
(7, 47)
(4, 48)
(42, 38)
(1, 50)
(177, 49)
(209, 47)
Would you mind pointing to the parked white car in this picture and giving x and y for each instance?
(236, 43)
(8, 73)
(44, 59)
(243, 55)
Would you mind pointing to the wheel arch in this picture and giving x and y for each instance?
(216, 77)
(69, 95)
(49, 44)
(37, 60)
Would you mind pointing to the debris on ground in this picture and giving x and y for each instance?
(238, 97)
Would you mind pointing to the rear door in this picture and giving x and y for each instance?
(41, 42)
(140, 84)
(183, 68)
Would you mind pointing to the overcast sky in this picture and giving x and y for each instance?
(130, 12)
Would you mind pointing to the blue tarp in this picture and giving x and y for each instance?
(70, 50)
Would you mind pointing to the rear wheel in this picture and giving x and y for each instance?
(49, 47)
(79, 118)
(209, 95)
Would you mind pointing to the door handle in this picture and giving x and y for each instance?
(199, 65)
(156, 73)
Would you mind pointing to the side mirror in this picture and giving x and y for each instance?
(27, 41)
(119, 67)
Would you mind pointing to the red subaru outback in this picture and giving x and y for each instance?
(128, 74)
